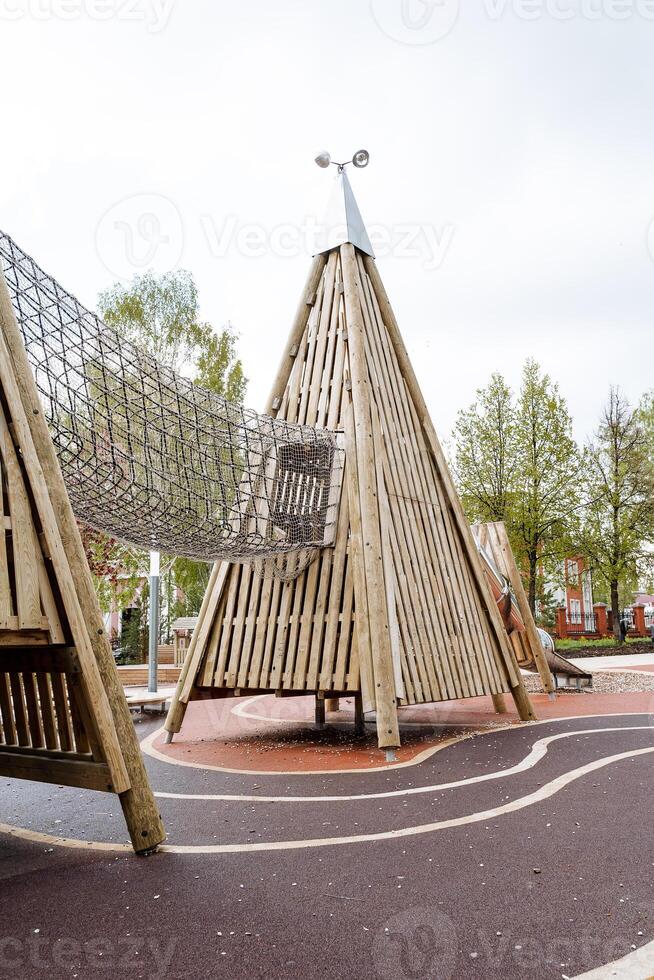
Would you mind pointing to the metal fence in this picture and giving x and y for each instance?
(582, 622)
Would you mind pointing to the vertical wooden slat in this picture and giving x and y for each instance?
(60, 698)
(32, 705)
(20, 709)
(47, 711)
(7, 712)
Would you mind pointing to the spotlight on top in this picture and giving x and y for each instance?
(360, 159)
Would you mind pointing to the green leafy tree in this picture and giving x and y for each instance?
(192, 578)
(548, 478)
(618, 526)
(161, 315)
(515, 461)
(485, 452)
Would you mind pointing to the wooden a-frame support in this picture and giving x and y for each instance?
(399, 610)
(527, 644)
(63, 714)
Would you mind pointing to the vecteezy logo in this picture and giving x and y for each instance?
(140, 232)
(417, 944)
(415, 21)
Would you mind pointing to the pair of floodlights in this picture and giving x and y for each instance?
(360, 159)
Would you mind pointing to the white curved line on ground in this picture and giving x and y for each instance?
(147, 746)
(537, 752)
(546, 791)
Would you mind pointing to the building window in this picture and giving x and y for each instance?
(575, 610)
(572, 572)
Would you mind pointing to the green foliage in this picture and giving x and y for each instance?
(134, 638)
(515, 461)
(485, 453)
(114, 567)
(161, 315)
(192, 577)
(548, 475)
(607, 641)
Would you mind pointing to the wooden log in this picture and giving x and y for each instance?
(388, 735)
(110, 710)
(499, 703)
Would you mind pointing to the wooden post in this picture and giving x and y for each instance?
(320, 713)
(332, 704)
(359, 717)
(138, 803)
(499, 703)
(383, 677)
(507, 659)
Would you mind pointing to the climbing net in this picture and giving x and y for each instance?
(154, 460)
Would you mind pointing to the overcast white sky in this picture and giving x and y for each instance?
(511, 170)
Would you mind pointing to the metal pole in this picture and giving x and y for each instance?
(153, 638)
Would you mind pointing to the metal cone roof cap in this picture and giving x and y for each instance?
(343, 222)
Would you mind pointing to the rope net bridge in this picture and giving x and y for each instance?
(156, 461)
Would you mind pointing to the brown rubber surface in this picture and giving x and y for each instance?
(562, 884)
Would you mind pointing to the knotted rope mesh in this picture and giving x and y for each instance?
(157, 461)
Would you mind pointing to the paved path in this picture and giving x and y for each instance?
(626, 661)
(525, 852)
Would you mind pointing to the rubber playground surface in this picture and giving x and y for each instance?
(491, 849)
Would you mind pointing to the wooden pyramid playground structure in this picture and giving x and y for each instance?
(63, 714)
(398, 611)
